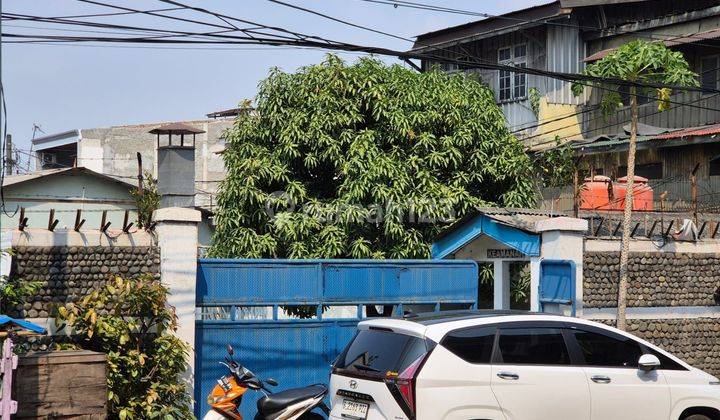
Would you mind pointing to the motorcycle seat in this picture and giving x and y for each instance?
(273, 403)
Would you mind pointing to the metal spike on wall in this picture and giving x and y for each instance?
(79, 221)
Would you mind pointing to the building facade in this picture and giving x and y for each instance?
(565, 35)
(113, 151)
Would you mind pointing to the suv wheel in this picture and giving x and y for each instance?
(697, 417)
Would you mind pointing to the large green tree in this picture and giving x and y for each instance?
(640, 62)
(363, 161)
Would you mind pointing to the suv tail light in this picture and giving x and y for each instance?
(402, 387)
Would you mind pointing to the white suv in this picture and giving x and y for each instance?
(504, 365)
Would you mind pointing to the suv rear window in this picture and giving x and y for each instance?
(377, 352)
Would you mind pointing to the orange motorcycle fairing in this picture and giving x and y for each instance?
(226, 397)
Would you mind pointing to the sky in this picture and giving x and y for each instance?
(63, 87)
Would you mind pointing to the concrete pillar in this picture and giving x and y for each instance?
(563, 238)
(534, 284)
(501, 285)
(177, 233)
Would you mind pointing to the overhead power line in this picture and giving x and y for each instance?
(237, 40)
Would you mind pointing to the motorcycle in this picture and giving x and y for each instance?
(292, 404)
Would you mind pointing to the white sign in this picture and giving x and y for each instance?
(504, 253)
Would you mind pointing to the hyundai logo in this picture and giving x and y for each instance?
(353, 384)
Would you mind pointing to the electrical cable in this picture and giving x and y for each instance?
(376, 50)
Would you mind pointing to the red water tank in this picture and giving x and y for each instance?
(642, 194)
(597, 193)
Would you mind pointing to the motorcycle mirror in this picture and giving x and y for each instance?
(230, 350)
(271, 381)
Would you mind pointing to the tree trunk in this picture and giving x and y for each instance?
(627, 215)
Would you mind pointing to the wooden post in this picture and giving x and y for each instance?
(23, 220)
(52, 221)
(576, 192)
(140, 174)
(662, 211)
(702, 229)
(694, 192)
(103, 225)
(8, 364)
(79, 221)
(126, 225)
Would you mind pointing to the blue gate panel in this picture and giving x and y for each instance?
(410, 282)
(257, 281)
(557, 282)
(298, 352)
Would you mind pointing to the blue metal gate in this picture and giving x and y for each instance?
(288, 319)
(557, 285)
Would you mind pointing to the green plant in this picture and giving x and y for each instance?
(132, 323)
(146, 199)
(639, 62)
(534, 97)
(14, 290)
(363, 161)
(556, 165)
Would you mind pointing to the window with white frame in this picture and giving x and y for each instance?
(512, 85)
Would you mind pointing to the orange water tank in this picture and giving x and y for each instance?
(642, 194)
(597, 193)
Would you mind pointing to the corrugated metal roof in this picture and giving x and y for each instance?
(487, 27)
(9, 180)
(680, 40)
(520, 218)
(678, 134)
(706, 130)
(524, 219)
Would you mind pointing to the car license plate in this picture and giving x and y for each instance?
(354, 410)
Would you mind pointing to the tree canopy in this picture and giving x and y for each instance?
(363, 161)
(642, 62)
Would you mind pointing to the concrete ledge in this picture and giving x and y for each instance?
(646, 245)
(176, 214)
(660, 312)
(570, 224)
(64, 237)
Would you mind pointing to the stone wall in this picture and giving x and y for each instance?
(656, 279)
(67, 273)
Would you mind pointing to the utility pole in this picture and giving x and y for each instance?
(140, 174)
(9, 162)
